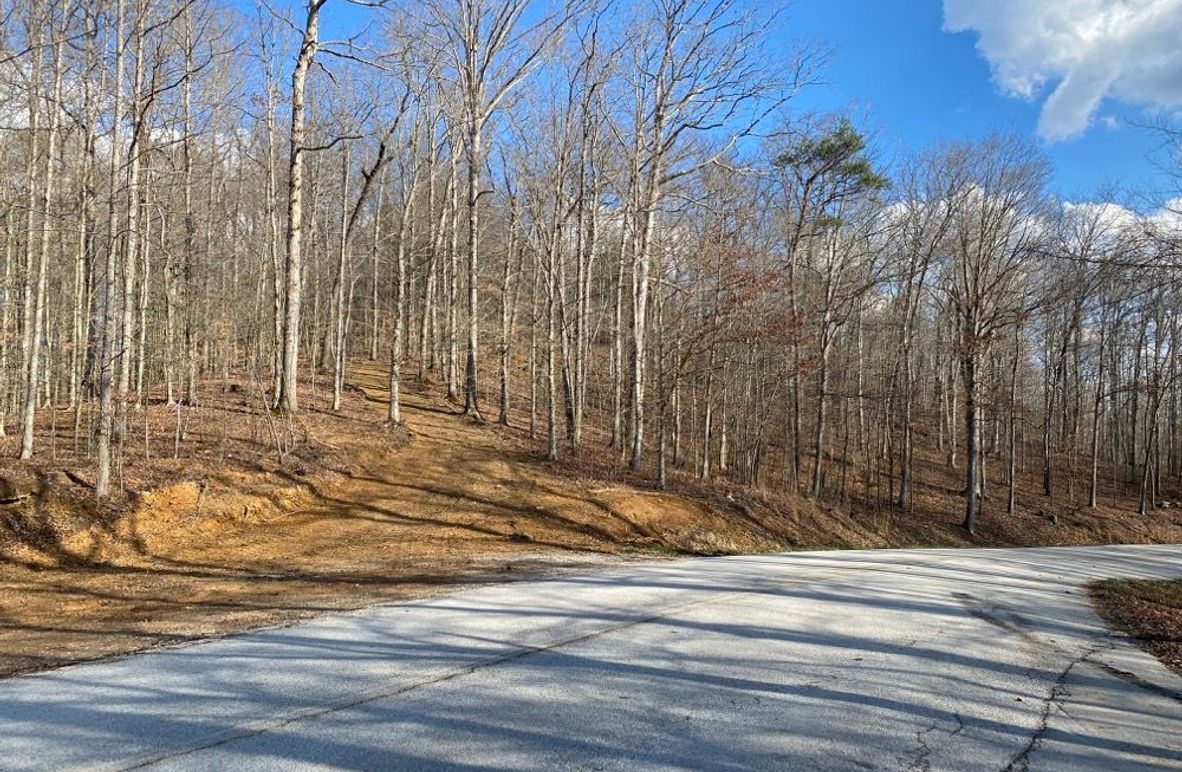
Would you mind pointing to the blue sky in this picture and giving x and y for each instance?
(910, 82)
(913, 84)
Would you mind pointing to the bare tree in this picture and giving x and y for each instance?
(694, 66)
(287, 399)
(992, 240)
(491, 52)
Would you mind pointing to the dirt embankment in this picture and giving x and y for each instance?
(221, 540)
(258, 522)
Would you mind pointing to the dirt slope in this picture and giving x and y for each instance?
(460, 502)
(356, 513)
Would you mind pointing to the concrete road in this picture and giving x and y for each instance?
(904, 660)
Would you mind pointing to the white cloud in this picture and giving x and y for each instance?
(1086, 50)
(1105, 214)
(1168, 219)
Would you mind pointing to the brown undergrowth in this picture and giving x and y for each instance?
(234, 534)
(1150, 610)
(251, 520)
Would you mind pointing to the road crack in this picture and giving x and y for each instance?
(921, 762)
(1136, 680)
(1055, 695)
(254, 729)
(1011, 622)
(246, 732)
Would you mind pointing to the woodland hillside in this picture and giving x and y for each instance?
(605, 227)
(229, 535)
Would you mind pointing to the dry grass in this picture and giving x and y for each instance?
(1147, 609)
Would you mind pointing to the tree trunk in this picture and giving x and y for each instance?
(973, 441)
(106, 348)
(32, 375)
(472, 351)
(288, 400)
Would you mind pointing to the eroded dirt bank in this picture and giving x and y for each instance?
(358, 514)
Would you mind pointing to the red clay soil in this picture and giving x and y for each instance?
(355, 514)
(257, 521)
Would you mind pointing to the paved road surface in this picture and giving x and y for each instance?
(902, 660)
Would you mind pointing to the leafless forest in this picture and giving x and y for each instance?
(609, 221)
